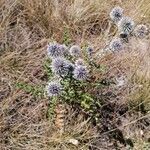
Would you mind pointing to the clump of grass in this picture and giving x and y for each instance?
(26, 28)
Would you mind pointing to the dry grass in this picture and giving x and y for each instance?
(26, 26)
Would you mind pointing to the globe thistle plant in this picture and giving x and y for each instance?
(126, 25)
(141, 31)
(116, 45)
(75, 51)
(53, 88)
(79, 62)
(80, 73)
(55, 50)
(116, 14)
(61, 66)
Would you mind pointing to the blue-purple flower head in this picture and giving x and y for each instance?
(81, 73)
(60, 66)
(65, 49)
(79, 62)
(89, 51)
(141, 31)
(116, 45)
(75, 51)
(55, 50)
(126, 25)
(54, 88)
(116, 14)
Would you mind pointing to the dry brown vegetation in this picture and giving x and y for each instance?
(26, 26)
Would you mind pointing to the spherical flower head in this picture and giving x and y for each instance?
(141, 31)
(116, 14)
(65, 49)
(79, 62)
(126, 25)
(89, 51)
(53, 88)
(80, 73)
(61, 66)
(55, 50)
(75, 51)
(116, 45)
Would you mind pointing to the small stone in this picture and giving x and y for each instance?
(74, 142)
